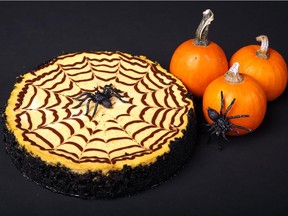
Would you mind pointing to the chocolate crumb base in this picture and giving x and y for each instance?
(95, 185)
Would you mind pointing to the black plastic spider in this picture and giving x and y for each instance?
(98, 97)
(221, 124)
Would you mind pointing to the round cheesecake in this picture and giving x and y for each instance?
(99, 124)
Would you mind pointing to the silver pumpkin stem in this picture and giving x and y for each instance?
(201, 37)
(262, 52)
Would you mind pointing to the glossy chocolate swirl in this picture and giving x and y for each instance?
(40, 111)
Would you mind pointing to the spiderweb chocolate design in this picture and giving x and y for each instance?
(155, 114)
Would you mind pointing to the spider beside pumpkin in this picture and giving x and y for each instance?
(221, 122)
(238, 95)
(201, 65)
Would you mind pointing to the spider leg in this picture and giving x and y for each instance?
(222, 103)
(81, 95)
(95, 109)
(116, 94)
(220, 144)
(88, 106)
(221, 140)
(213, 131)
(81, 102)
(212, 126)
(224, 136)
(237, 116)
(240, 127)
(209, 132)
(233, 130)
(217, 132)
(96, 89)
(229, 107)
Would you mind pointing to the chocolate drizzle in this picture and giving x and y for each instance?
(156, 113)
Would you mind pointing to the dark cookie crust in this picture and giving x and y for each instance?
(90, 185)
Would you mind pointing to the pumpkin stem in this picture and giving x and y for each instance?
(233, 75)
(201, 37)
(262, 52)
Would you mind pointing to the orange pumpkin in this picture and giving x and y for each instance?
(199, 61)
(265, 65)
(250, 99)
